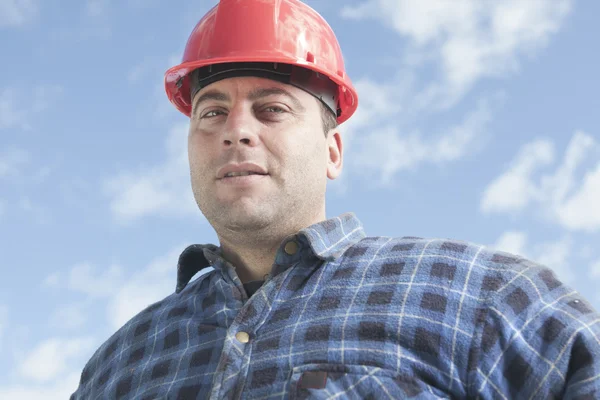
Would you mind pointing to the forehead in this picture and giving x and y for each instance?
(252, 88)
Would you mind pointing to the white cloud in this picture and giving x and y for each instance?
(555, 255)
(60, 389)
(17, 12)
(552, 254)
(39, 213)
(159, 190)
(468, 39)
(95, 8)
(513, 190)
(558, 185)
(595, 270)
(136, 73)
(50, 358)
(17, 109)
(124, 296)
(83, 278)
(53, 280)
(152, 284)
(86, 279)
(385, 151)
(581, 211)
(563, 197)
(69, 317)
(512, 242)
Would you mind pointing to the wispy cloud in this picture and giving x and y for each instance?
(69, 317)
(163, 189)
(59, 389)
(514, 242)
(565, 198)
(153, 283)
(60, 359)
(14, 13)
(468, 39)
(137, 72)
(386, 151)
(580, 211)
(95, 22)
(50, 357)
(465, 41)
(513, 189)
(123, 295)
(86, 279)
(49, 370)
(17, 109)
(595, 269)
(96, 8)
(553, 254)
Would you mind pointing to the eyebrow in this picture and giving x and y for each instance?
(256, 94)
(260, 93)
(210, 95)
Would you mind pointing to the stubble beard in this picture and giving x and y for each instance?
(243, 220)
(268, 220)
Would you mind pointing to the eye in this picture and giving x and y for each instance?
(274, 109)
(212, 114)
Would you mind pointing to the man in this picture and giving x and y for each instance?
(301, 306)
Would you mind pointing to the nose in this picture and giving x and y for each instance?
(241, 128)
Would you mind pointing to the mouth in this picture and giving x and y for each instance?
(242, 178)
(236, 170)
(241, 173)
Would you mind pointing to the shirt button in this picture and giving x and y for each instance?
(291, 248)
(242, 337)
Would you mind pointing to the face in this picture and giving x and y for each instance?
(273, 131)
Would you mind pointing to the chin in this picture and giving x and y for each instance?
(245, 216)
(247, 222)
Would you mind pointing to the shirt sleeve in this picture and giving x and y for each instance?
(537, 339)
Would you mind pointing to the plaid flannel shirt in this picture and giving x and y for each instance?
(343, 315)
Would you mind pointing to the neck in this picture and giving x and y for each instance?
(253, 253)
(251, 263)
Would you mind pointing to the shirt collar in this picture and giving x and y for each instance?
(327, 239)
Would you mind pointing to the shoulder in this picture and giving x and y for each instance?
(450, 251)
(481, 270)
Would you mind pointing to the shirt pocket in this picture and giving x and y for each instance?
(326, 381)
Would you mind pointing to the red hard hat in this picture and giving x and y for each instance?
(277, 37)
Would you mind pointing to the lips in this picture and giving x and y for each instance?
(240, 170)
(243, 173)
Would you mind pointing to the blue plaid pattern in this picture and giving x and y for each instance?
(354, 317)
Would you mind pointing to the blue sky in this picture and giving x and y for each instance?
(478, 121)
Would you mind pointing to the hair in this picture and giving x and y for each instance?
(328, 118)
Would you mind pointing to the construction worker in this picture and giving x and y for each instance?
(301, 306)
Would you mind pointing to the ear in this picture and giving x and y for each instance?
(335, 160)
